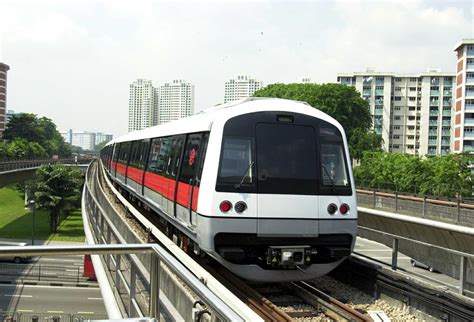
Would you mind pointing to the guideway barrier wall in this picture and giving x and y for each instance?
(446, 247)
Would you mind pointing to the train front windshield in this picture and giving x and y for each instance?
(305, 157)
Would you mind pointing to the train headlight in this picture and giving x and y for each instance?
(344, 208)
(332, 208)
(240, 207)
(225, 206)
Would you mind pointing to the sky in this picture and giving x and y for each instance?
(73, 61)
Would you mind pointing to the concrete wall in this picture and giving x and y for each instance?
(428, 231)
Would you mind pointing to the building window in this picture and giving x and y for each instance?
(398, 98)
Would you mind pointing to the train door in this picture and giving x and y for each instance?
(172, 173)
(189, 178)
(287, 179)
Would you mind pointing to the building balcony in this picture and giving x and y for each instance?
(468, 148)
(445, 142)
(470, 80)
(432, 151)
(447, 103)
(434, 113)
(434, 103)
(433, 122)
(432, 142)
(446, 123)
(470, 67)
(434, 82)
(469, 134)
(432, 132)
(378, 111)
(444, 152)
(434, 93)
(447, 93)
(470, 52)
(446, 113)
(469, 121)
(379, 102)
(378, 130)
(445, 132)
(379, 92)
(367, 93)
(469, 107)
(379, 82)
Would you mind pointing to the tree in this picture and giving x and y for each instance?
(361, 141)
(42, 131)
(20, 148)
(342, 102)
(445, 176)
(99, 146)
(57, 186)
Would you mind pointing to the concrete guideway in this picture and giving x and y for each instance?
(453, 237)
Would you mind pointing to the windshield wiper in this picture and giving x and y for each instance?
(237, 186)
(333, 186)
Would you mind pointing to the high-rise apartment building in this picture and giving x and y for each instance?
(240, 88)
(464, 104)
(3, 96)
(143, 105)
(412, 113)
(176, 100)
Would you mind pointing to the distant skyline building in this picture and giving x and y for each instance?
(412, 113)
(143, 106)
(176, 100)
(85, 140)
(241, 87)
(464, 103)
(3, 96)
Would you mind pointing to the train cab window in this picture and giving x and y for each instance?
(192, 154)
(205, 140)
(334, 171)
(286, 159)
(237, 164)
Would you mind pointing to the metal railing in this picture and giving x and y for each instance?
(463, 257)
(12, 165)
(47, 317)
(136, 280)
(40, 272)
(448, 211)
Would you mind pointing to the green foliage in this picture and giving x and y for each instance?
(443, 176)
(57, 187)
(342, 102)
(99, 146)
(361, 141)
(37, 132)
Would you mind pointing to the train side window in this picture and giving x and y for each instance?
(173, 161)
(191, 157)
(134, 154)
(116, 152)
(124, 152)
(142, 154)
(154, 157)
(204, 142)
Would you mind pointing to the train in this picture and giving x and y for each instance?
(262, 185)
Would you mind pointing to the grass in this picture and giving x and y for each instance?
(16, 221)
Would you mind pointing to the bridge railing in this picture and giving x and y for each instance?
(138, 283)
(13, 165)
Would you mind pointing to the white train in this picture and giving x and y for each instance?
(264, 186)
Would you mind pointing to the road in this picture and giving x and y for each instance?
(51, 299)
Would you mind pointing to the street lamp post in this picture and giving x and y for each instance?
(32, 206)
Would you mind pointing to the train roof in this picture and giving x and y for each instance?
(202, 121)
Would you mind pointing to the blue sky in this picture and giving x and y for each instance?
(73, 60)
